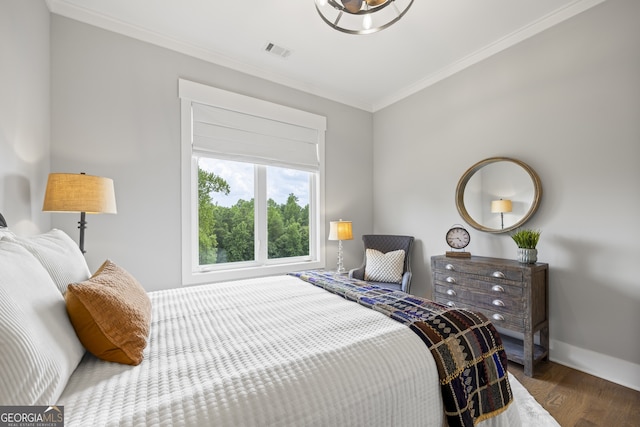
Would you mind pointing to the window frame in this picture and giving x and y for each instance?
(192, 273)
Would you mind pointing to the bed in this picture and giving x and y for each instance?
(273, 351)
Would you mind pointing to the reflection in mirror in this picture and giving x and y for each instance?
(496, 181)
(498, 194)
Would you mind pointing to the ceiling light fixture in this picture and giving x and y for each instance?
(361, 16)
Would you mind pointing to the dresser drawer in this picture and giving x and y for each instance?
(499, 302)
(494, 287)
(486, 269)
(501, 318)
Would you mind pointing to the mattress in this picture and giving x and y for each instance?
(271, 351)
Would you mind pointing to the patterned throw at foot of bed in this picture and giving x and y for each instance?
(467, 349)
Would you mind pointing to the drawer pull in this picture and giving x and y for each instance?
(451, 303)
(451, 292)
(449, 267)
(498, 274)
(497, 288)
(498, 302)
(498, 317)
(450, 279)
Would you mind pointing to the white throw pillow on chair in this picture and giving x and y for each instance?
(381, 267)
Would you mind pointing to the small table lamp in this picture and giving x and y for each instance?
(340, 230)
(501, 206)
(68, 192)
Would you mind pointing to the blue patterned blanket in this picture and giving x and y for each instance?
(467, 349)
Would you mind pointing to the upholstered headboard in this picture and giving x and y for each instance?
(3, 223)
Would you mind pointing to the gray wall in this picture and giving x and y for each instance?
(567, 102)
(24, 114)
(116, 113)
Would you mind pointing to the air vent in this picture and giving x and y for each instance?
(274, 49)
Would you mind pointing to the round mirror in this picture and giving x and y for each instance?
(498, 194)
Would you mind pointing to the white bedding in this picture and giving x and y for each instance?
(265, 352)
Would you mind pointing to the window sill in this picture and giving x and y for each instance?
(200, 278)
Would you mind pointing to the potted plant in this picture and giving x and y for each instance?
(527, 240)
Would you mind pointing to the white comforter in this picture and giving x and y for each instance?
(264, 352)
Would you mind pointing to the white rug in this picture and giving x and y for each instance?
(531, 412)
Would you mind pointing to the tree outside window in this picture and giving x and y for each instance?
(226, 212)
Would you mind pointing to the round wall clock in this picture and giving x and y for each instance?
(458, 238)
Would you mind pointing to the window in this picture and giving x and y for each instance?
(226, 213)
(252, 186)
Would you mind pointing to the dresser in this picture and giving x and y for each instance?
(512, 295)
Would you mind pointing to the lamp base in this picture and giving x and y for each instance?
(340, 269)
(82, 225)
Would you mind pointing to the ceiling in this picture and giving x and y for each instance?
(435, 39)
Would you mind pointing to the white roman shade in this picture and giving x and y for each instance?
(237, 136)
(224, 125)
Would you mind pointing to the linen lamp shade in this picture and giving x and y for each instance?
(68, 192)
(340, 230)
(501, 206)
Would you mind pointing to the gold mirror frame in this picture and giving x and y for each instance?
(462, 184)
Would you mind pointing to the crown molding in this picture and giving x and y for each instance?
(108, 23)
(504, 43)
(59, 7)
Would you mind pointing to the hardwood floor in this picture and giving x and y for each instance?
(578, 399)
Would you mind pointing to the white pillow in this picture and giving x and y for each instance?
(381, 267)
(59, 255)
(4, 231)
(39, 349)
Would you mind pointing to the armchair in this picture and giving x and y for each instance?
(387, 243)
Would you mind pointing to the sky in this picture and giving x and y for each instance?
(280, 182)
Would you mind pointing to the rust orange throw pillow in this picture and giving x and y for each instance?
(111, 314)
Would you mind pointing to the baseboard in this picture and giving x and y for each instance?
(600, 365)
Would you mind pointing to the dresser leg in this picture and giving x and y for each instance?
(528, 354)
(544, 340)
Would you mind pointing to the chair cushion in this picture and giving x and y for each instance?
(381, 267)
(388, 285)
(111, 313)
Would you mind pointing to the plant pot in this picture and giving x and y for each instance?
(527, 256)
